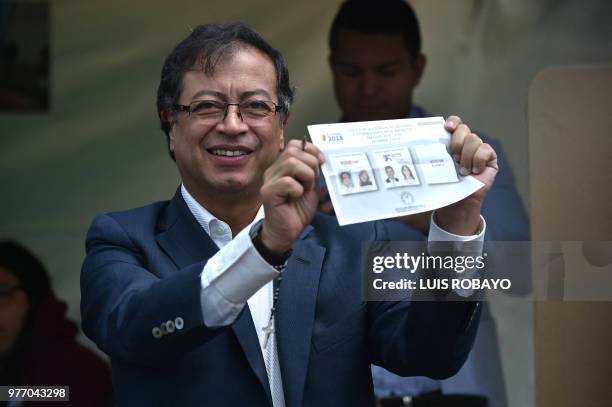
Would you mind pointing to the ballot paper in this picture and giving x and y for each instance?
(384, 169)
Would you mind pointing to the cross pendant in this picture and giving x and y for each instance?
(268, 330)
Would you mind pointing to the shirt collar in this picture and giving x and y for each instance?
(203, 216)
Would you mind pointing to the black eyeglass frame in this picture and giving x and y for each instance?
(189, 110)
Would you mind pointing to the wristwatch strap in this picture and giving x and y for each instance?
(274, 259)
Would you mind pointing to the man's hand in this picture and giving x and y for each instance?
(289, 195)
(477, 159)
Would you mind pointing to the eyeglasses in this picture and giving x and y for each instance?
(213, 111)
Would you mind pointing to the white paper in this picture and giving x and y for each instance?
(436, 164)
(389, 168)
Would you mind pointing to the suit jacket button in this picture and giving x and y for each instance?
(170, 326)
(157, 333)
(179, 323)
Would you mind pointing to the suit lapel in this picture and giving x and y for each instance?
(185, 242)
(181, 236)
(295, 315)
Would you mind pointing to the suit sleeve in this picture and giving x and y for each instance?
(129, 312)
(421, 338)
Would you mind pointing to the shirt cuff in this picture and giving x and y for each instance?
(230, 278)
(437, 234)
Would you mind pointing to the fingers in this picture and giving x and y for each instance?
(307, 152)
(468, 149)
(300, 161)
(484, 157)
(306, 147)
(451, 123)
(471, 144)
(461, 132)
(474, 155)
(287, 187)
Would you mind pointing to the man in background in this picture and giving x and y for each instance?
(376, 62)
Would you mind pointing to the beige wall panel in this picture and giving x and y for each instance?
(571, 177)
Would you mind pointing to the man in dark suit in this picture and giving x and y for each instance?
(184, 295)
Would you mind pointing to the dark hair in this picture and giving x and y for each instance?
(373, 17)
(343, 173)
(206, 45)
(24, 265)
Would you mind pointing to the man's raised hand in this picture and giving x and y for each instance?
(289, 194)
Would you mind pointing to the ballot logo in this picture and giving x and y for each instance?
(407, 198)
(391, 156)
(332, 138)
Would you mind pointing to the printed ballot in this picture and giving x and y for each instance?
(354, 173)
(389, 168)
(398, 167)
(436, 163)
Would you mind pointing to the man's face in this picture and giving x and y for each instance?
(346, 179)
(14, 305)
(229, 155)
(374, 75)
(390, 172)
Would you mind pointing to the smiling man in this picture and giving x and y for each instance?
(222, 149)
(235, 292)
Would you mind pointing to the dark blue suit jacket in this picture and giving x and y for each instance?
(143, 268)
